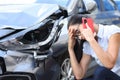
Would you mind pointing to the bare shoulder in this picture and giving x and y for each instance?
(115, 37)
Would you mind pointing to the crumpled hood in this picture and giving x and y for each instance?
(24, 15)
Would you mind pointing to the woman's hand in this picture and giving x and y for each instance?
(88, 34)
(71, 41)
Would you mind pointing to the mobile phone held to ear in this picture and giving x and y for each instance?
(88, 21)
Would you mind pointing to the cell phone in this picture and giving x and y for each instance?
(89, 21)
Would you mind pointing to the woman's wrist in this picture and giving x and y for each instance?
(91, 40)
(70, 49)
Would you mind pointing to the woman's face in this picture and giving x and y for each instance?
(76, 30)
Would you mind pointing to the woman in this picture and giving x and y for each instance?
(103, 44)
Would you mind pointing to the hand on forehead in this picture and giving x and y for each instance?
(74, 27)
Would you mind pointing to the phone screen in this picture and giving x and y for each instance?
(89, 21)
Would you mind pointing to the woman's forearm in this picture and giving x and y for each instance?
(77, 70)
(103, 56)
